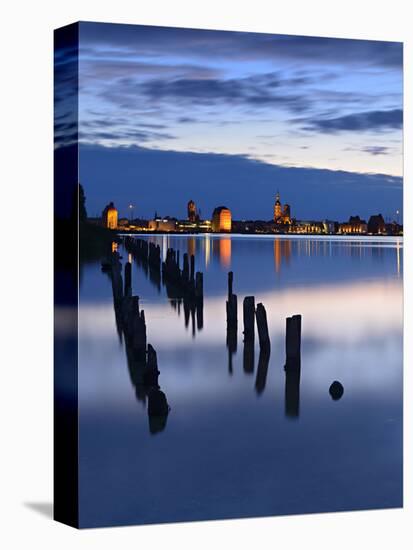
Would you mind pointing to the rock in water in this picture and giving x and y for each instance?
(336, 390)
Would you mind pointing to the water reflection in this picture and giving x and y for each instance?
(282, 252)
(351, 302)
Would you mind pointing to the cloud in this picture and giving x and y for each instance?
(374, 150)
(113, 136)
(260, 91)
(149, 42)
(361, 122)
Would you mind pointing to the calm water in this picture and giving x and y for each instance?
(234, 444)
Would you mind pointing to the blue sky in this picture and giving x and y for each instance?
(289, 101)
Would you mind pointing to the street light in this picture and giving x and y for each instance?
(131, 212)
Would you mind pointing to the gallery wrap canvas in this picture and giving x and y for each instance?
(228, 275)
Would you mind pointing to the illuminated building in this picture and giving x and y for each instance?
(162, 224)
(306, 227)
(281, 215)
(277, 209)
(192, 211)
(354, 226)
(221, 219)
(330, 227)
(286, 213)
(110, 216)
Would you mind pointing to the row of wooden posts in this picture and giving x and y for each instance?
(258, 315)
(142, 357)
(186, 282)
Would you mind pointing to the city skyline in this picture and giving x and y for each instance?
(234, 115)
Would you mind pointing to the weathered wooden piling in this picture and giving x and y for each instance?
(248, 356)
(262, 369)
(230, 283)
(199, 285)
(185, 269)
(151, 372)
(262, 326)
(249, 318)
(192, 272)
(292, 392)
(158, 410)
(157, 403)
(293, 342)
(128, 279)
(232, 306)
(139, 336)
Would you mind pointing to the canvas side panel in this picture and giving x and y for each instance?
(66, 275)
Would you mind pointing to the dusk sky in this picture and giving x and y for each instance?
(286, 101)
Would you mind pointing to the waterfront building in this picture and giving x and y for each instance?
(162, 224)
(376, 225)
(221, 219)
(355, 225)
(307, 227)
(330, 227)
(110, 216)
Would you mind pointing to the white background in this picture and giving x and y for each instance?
(26, 303)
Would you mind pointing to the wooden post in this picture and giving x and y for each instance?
(139, 337)
(249, 315)
(230, 281)
(248, 357)
(292, 392)
(128, 279)
(261, 317)
(199, 285)
(293, 342)
(151, 373)
(232, 305)
(262, 370)
(192, 276)
(185, 269)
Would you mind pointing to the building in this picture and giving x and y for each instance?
(330, 227)
(221, 219)
(281, 215)
(376, 225)
(110, 216)
(163, 225)
(307, 227)
(192, 215)
(355, 225)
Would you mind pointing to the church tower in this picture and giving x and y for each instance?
(191, 211)
(277, 208)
